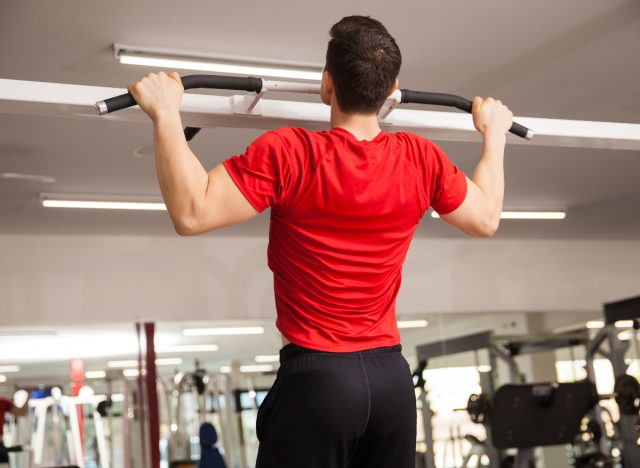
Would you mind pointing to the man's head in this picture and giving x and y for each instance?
(363, 61)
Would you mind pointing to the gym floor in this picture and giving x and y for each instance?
(75, 282)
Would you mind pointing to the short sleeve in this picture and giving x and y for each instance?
(448, 184)
(263, 172)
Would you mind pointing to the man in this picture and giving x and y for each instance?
(344, 206)
(7, 406)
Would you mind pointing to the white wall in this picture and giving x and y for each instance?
(64, 279)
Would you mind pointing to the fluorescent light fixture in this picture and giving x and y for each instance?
(228, 65)
(103, 205)
(413, 323)
(267, 358)
(595, 324)
(624, 324)
(524, 215)
(122, 364)
(484, 368)
(169, 361)
(7, 369)
(223, 331)
(131, 373)
(29, 177)
(102, 201)
(3, 378)
(133, 363)
(26, 333)
(625, 335)
(194, 348)
(225, 369)
(257, 368)
(98, 374)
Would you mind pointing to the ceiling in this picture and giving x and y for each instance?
(570, 60)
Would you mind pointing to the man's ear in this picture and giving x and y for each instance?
(394, 87)
(326, 87)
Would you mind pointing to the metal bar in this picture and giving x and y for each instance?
(152, 395)
(55, 99)
(462, 344)
(627, 309)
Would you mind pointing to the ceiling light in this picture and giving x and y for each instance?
(625, 335)
(131, 373)
(624, 324)
(7, 369)
(3, 378)
(102, 201)
(195, 348)
(412, 323)
(29, 177)
(484, 368)
(225, 369)
(98, 374)
(134, 363)
(256, 368)
(117, 397)
(524, 215)
(267, 358)
(223, 331)
(594, 324)
(25, 333)
(172, 59)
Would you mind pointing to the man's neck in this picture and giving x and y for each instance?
(361, 126)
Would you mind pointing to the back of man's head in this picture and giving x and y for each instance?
(364, 61)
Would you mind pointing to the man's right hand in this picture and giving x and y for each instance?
(491, 116)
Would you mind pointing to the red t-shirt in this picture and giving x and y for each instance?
(5, 407)
(343, 213)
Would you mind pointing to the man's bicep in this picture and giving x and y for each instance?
(468, 217)
(224, 204)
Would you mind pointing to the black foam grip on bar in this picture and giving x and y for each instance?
(191, 82)
(190, 132)
(451, 100)
(16, 448)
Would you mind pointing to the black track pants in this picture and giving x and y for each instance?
(339, 410)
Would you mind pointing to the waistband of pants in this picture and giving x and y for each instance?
(291, 350)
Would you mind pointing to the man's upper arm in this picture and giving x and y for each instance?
(224, 204)
(470, 215)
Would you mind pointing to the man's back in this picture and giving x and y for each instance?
(343, 215)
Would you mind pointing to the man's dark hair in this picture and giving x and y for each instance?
(364, 61)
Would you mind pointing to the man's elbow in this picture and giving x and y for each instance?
(487, 228)
(186, 227)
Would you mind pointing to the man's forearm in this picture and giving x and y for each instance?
(183, 180)
(489, 174)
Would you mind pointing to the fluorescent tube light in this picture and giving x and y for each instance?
(171, 59)
(195, 348)
(103, 205)
(3, 378)
(524, 215)
(223, 331)
(595, 324)
(117, 397)
(7, 369)
(257, 368)
(133, 363)
(131, 373)
(413, 323)
(625, 335)
(267, 358)
(225, 369)
(95, 374)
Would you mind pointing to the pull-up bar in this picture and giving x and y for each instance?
(236, 111)
(260, 86)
